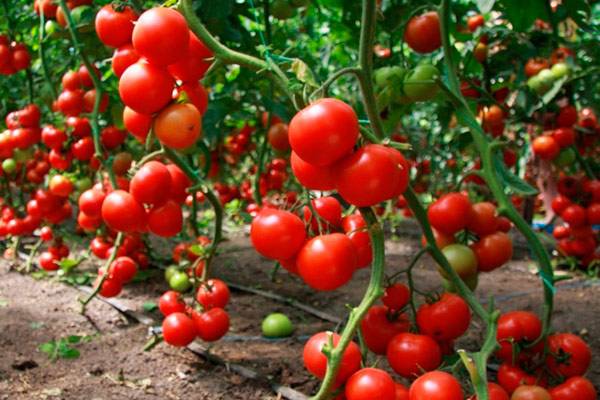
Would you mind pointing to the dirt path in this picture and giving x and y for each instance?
(112, 364)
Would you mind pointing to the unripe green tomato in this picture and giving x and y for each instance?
(282, 9)
(462, 260)
(389, 76)
(470, 281)
(560, 70)
(170, 271)
(52, 28)
(277, 325)
(22, 155)
(546, 77)
(180, 282)
(83, 184)
(565, 158)
(9, 166)
(419, 83)
(300, 3)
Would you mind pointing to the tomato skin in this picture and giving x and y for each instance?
(278, 137)
(112, 137)
(196, 94)
(545, 147)
(450, 213)
(311, 176)
(166, 220)
(194, 64)
(574, 215)
(593, 214)
(110, 288)
(530, 392)
(178, 126)
(213, 294)
(535, 65)
(493, 251)
(316, 362)
(396, 296)
(211, 325)
(171, 302)
(329, 213)
(327, 262)
(401, 392)
(462, 260)
(161, 35)
(446, 319)
(564, 136)
(48, 261)
(422, 33)
(475, 22)
(277, 234)
(179, 183)
(83, 149)
(178, 329)
(114, 28)
(495, 391)
(121, 212)
(60, 186)
(573, 388)
(370, 383)
(483, 219)
(408, 354)
(511, 377)
(146, 88)
(577, 350)
(560, 203)
(123, 269)
(436, 385)
(516, 327)
(138, 124)
(324, 132)
(151, 184)
(90, 202)
(122, 58)
(378, 329)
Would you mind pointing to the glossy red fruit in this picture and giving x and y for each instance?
(450, 213)
(122, 58)
(410, 354)
(316, 362)
(422, 33)
(446, 319)
(194, 64)
(370, 383)
(396, 296)
(121, 212)
(577, 387)
(171, 302)
(569, 355)
(436, 385)
(311, 176)
(123, 269)
(214, 293)
(161, 35)
(277, 234)
(211, 325)
(178, 329)
(114, 27)
(146, 88)
(380, 326)
(574, 215)
(151, 184)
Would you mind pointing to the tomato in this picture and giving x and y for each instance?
(114, 28)
(516, 328)
(277, 325)
(475, 22)
(70, 102)
(196, 95)
(179, 329)
(166, 220)
(564, 136)
(310, 176)
(480, 52)
(90, 202)
(179, 183)
(122, 58)
(180, 282)
(493, 251)
(462, 260)
(60, 186)
(450, 213)
(121, 212)
(110, 288)
(171, 302)
(446, 319)
(83, 149)
(329, 213)
(410, 354)
(567, 117)
(327, 262)
(560, 203)
(569, 355)
(80, 127)
(419, 84)
(573, 388)
(214, 293)
(112, 137)
(593, 214)
(278, 137)
(561, 54)
(87, 223)
(396, 296)
(324, 132)
(483, 219)
(277, 234)
(380, 325)
(545, 147)
(370, 383)
(511, 377)
(422, 33)
(178, 126)
(495, 392)
(574, 215)
(138, 124)
(401, 392)
(371, 175)
(122, 269)
(211, 325)
(530, 392)
(122, 163)
(151, 184)
(161, 36)
(146, 88)
(436, 385)
(535, 65)
(194, 64)
(48, 261)
(441, 239)
(316, 362)
(46, 234)
(568, 186)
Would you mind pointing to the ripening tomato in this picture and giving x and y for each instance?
(121, 212)
(83, 149)
(60, 186)
(161, 35)
(514, 328)
(179, 183)
(122, 269)
(436, 385)
(316, 362)
(278, 137)
(194, 64)
(450, 213)
(214, 293)
(573, 388)
(311, 176)
(80, 127)
(114, 27)
(277, 234)
(483, 219)
(110, 287)
(593, 214)
(569, 355)
(530, 392)
(70, 102)
(493, 251)
(380, 325)
(196, 95)
(568, 185)
(178, 329)
(53, 137)
(211, 325)
(324, 132)
(151, 184)
(545, 147)
(422, 33)
(90, 202)
(178, 126)
(495, 391)
(369, 384)
(446, 319)
(567, 117)
(462, 260)
(112, 137)
(535, 65)
(145, 88)
(327, 262)
(329, 213)
(410, 354)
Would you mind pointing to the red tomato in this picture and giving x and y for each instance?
(138, 124)
(70, 102)
(161, 35)
(560, 203)
(122, 58)
(422, 33)
(369, 384)
(121, 212)
(90, 202)
(83, 149)
(214, 293)
(151, 184)
(396, 296)
(165, 220)
(574, 215)
(114, 28)
(518, 327)
(310, 176)
(80, 127)
(567, 117)
(593, 214)
(46, 234)
(123, 269)
(329, 212)
(194, 64)
(112, 137)
(569, 355)
(87, 223)
(450, 213)
(324, 132)
(178, 126)
(475, 22)
(179, 183)
(564, 136)
(327, 262)
(48, 261)
(401, 392)
(196, 95)
(530, 392)
(535, 65)
(178, 329)
(364, 251)
(145, 88)
(436, 385)
(410, 354)
(574, 388)
(483, 219)
(545, 147)
(316, 362)
(446, 319)
(211, 325)
(277, 234)
(171, 302)
(60, 186)
(380, 326)
(278, 137)
(495, 391)
(110, 288)
(493, 251)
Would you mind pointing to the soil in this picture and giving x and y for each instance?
(113, 365)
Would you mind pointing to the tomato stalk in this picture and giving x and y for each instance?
(32, 253)
(42, 54)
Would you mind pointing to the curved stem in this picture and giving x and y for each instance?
(324, 88)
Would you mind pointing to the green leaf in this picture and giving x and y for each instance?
(73, 339)
(67, 264)
(197, 249)
(69, 353)
(149, 306)
(485, 6)
(303, 73)
(516, 184)
(556, 87)
(47, 348)
(522, 14)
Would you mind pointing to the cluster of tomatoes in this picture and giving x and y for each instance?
(578, 205)
(543, 73)
(238, 143)
(51, 10)
(78, 95)
(14, 56)
(23, 131)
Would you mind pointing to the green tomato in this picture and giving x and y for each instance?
(419, 83)
(462, 260)
(180, 282)
(22, 155)
(170, 271)
(560, 70)
(82, 15)
(9, 166)
(277, 325)
(389, 76)
(565, 158)
(546, 78)
(83, 184)
(282, 9)
(52, 28)
(470, 281)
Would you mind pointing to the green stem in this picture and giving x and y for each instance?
(324, 88)
(584, 164)
(30, 85)
(42, 54)
(31, 256)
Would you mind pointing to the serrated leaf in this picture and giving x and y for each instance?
(149, 306)
(485, 6)
(303, 72)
